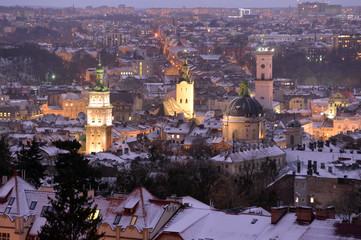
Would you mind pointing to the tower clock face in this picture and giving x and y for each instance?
(263, 66)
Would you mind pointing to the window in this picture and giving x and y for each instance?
(33, 205)
(45, 210)
(134, 220)
(254, 221)
(180, 100)
(4, 236)
(186, 100)
(99, 120)
(117, 219)
(93, 120)
(95, 215)
(262, 76)
(11, 201)
(7, 210)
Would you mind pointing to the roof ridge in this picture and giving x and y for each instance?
(143, 209)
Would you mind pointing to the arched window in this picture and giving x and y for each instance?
(186, 100)
(292, 140)
(180, 100)
(99, 120)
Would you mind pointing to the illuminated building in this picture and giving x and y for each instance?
(184, 102)
(99, 126)
(243, 118)
(264, 80)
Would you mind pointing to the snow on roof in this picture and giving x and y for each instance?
(194, 203)
(250, 154)
(52, 151)
(15, 188)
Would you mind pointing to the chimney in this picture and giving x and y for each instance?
(309, 168)
(325, 213)
(304, 214)
(277, 213)
(4, 179)
(315, 167)
(298, 167)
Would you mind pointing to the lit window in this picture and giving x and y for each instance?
(95, 215)
(312, 200)
(117, 219)
(93, 120)
(134, 220)
(296, 200)
(178, 136)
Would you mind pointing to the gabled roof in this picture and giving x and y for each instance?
(15, 188)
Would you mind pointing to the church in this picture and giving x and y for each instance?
(99, 135)
(184, 102)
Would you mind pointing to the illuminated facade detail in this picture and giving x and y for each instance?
(185, 91)
(99, 126)
(243, 118)
(338, 100)
(264, 78)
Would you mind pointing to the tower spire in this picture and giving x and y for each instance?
(244, 88)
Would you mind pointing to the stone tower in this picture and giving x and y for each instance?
(185, 91)
(99, 135)
(264, 78)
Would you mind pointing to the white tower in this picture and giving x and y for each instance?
(185, 91)
(264, 79)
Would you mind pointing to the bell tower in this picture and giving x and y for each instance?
(99, 135)
(264, 78)
(185, 90)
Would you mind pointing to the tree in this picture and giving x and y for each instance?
(29, 159)
(5, 159)
(74, 215)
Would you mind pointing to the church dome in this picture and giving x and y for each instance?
(294, 124)
(244, 106)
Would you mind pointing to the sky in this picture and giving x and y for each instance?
(170, 3)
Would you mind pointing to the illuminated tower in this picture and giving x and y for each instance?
(99, 126)
(185, 90)
(264, 79)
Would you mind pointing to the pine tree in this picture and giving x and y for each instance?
(73, 214)
(29, 160)
(6, 158)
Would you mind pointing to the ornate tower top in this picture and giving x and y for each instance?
(244, 88)
(99, 85)
(184, 76)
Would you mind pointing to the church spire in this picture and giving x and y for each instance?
(184, 74)
(244, 88)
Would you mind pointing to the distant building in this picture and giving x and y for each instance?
(114, 39)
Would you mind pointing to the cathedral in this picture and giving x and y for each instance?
(243, 118)
(184, 102)
(99, 126)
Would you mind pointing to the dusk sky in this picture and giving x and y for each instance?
(170, 3)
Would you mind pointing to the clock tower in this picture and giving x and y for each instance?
(99, 135)
(264, 78)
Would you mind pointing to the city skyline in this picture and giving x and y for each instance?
(172, 4)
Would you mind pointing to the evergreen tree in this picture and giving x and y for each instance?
(73, 214)
(5, 159)
(29, 160)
